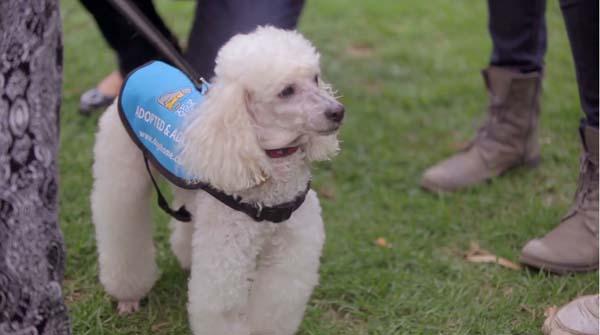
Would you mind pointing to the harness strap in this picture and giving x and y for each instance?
(181, 214)
(276, 214)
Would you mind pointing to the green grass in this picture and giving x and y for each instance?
(409, 75)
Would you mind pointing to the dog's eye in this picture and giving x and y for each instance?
(316, 79)
(288, 91)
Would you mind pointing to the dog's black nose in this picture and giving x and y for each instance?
(335, 114)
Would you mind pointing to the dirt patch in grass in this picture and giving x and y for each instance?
(360, 50)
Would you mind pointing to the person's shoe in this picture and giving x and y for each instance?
(573, 245)
(507, 138)
(101, 96)
(93, 100)
(578, 317)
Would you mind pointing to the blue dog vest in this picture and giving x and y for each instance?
(154, 102)
(153, 106)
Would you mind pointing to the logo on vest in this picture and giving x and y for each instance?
(172, 100)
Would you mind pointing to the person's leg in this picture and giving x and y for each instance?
(508, 137)
(581, 19)
(518, 32)
(217, 21)
(131, 48)
(32, 255)
(573, 245)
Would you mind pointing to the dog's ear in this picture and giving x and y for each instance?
(219, 142)
(321, 148)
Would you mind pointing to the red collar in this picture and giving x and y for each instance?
(283, 152)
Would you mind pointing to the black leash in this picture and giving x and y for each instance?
(154, 36)
(277, 213)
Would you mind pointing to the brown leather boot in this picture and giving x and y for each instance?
(573, 245)
(507, 138)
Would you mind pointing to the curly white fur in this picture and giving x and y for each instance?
(247, 277)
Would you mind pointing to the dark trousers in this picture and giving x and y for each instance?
(216, 21)
(518, 32)
(131, 48)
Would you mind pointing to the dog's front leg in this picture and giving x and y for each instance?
(224, 249)
(287, 273)
(121, 215)
(182, 232)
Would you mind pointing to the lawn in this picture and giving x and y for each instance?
(408, 72)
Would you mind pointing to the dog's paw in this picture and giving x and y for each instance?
(128, 307)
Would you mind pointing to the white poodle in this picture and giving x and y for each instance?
(247, 276)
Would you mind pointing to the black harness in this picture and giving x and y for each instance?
(276, 214)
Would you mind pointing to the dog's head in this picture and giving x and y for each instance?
(267, 94)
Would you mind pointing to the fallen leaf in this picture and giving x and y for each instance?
(549, 326)
(372, 86)
(73, 297)
(550, 311)
(508, 291)
(382, 242)
(478, 255)
(493, 259)
(462, 145)
(327, 192)
(529, 310)
(73, 294)
(475, 249)
(360, 50)
(159, 326)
